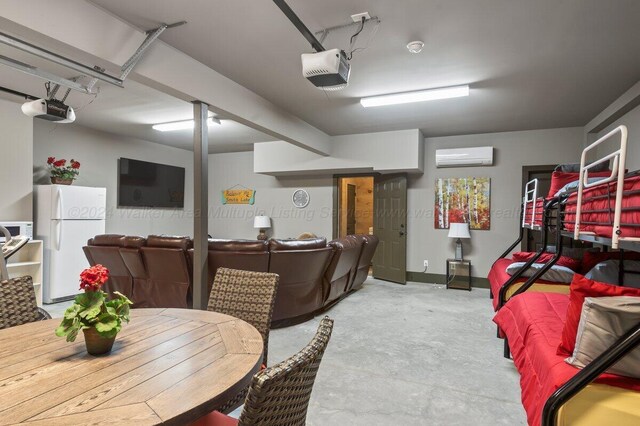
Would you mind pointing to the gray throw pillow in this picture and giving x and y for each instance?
(603, 321)
(557, 274)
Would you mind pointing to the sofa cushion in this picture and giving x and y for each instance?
(580, 289)
(602, 322)
(312, 243)
(238, 245)
(135, 242)
(107, 240)
(167, 241)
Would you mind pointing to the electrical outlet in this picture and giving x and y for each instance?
(426, 264)
(358, 17)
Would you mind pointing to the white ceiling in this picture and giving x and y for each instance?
(530, 64)
(127, 112)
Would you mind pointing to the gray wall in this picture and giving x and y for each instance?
(16, 162)
(632, 121)
(512, 151)
(98, 152)
(273, 198)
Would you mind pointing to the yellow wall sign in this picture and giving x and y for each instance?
(238, 196)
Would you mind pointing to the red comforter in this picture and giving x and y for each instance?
(533, 324)
(539, 212)
(594, 219)
(498, 276)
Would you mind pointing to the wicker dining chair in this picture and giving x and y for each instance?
(18, 303)
(249, 296)
(279, 395)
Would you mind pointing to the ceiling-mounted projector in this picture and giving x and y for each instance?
(328, 70)
(50, 110)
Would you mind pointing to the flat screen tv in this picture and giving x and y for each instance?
(144, 184)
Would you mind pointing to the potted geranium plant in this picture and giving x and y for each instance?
(61, 173)
(99, 319)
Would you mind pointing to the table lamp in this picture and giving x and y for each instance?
(459, 230)
(263, 223)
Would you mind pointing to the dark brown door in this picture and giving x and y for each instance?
(532, 240)
(390, 226)
(351, 209)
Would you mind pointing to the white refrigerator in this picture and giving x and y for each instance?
(66, 217)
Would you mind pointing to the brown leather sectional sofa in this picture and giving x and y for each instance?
(156, 271)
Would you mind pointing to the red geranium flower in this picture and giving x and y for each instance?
(91, 279)
(50, 160)
(75, 164)
(60, 163)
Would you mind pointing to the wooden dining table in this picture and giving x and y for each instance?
(167, 366)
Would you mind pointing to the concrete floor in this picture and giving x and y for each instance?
(407, 355)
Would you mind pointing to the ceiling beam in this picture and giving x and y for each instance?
(92, 34)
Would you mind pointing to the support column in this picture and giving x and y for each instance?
(200, 204)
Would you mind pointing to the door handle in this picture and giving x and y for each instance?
(401, 233)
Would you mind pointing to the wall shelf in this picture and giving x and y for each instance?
(28, 261)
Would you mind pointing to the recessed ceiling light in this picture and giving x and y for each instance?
(415, 46)
(181, 125)
(418, 96)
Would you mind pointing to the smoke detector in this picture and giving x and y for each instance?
(415, 46)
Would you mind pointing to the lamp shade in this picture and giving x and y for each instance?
(459, 230)
(262, 222)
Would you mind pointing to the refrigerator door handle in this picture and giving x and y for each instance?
(59, 223)
(60, 205)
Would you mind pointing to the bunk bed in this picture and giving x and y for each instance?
(537, 214)
(554, 392)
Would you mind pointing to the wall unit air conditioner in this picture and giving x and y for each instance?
(461, 157)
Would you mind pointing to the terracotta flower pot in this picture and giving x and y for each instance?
(96, 344)
(61, 181)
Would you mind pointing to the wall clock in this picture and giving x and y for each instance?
(300, 198)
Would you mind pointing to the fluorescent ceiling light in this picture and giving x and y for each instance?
(181, 125)
(419, 96)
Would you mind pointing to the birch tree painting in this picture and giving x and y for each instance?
(466, 200)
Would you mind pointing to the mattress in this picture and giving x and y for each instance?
(498, 276)
(532, 323)
(598, 205)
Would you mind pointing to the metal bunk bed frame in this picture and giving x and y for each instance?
(630, 340)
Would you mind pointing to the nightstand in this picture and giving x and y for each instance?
(459, 274)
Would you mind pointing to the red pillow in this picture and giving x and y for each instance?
(567, 262)
(560, 179)
(591, 259)
(580, 289)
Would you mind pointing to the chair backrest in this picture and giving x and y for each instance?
(17, 302)
(105, 250)
(368, 251)
(301, 265)
(342, 268)
(280, 395)
(169, 270)
(244, 255)
(247, 295)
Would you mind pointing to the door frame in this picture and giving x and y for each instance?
(336, 198)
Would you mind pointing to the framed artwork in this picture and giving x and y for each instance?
(463, 200)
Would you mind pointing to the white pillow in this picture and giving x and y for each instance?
(602, 322)
(557, 274)
(607, 272)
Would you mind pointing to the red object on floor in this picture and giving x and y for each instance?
(215, 418)
(533, 324)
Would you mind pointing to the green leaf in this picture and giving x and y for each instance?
(72, 311)
(92, 305)
(106, 322)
